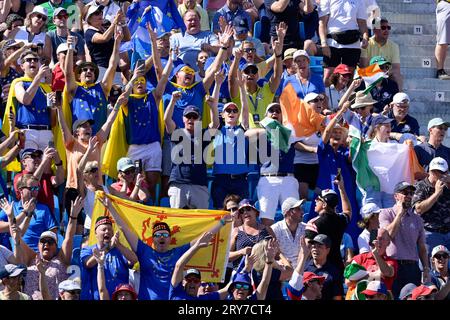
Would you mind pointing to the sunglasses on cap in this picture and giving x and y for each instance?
(385, 27)
(231, 110)
(251, 71)
(242, 286)
(50, 241)
(191, 116)
(40, 16)
(29, 60)
(161, 235)
(440, 256)
(249, 50)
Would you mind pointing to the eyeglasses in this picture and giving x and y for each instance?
(192, 279)
(407, 193)
(233, 209)
(274, 110)
(129, 171)
(441, 256)
(385, 27)
(191, 116)
(86, 69)
(29, 60)
(74, 292)
(251, 71)
(242, 286)
(47, 240)
(249, 50)
(40, 16)
(32, 189)
(161, 235)
(231, 110)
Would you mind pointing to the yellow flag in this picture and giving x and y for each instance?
(186, 225)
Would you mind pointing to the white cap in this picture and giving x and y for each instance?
(439, 248)
(368, 209)
(291, 203)
(401, 97)
(299, 53)
(49, 234)
(438, 163)
(39, 9)
(63, 47)
(93, 8)
(310, 96)
(69, 285)
(437, 122)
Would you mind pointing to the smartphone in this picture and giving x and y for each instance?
(21, 139)
(49, 101)
(338, 176)
(51, 144)
(138, 165)
(58, 98)
(139, 63)
(373, 236)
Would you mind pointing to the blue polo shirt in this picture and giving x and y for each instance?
(35, 113)
(178, 293)
(42, 220)
(142, 121)
(116, 272)
(314, 84)
(90, 103)
(4, 236)
(231, 151)
(192, 95)
(156, 270)
(408, 125)
(193, 171)
(230, 16)
(426, 152)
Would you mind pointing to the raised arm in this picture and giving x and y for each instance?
(168, 121)
(271, 250)
(326, 135)
(346, 207)
(43, 285)
(296, 281)
(108, 78)
(65, 254)
(156, 56)
(201, 242)
(71, 85)
(213, 100)
(275, 79)
(159, 91)
(127, 253)
(103, 133)
(214, 229)
(244, 101)
(233, 84)
(99, 256)
(386, 270)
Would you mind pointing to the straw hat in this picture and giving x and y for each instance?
(362, 100)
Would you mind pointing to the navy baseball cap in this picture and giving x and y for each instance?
(191, 109)
(240, 25)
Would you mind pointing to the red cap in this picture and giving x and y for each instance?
(124, 287)
(308, 276)
(421, 291)
(343, 69)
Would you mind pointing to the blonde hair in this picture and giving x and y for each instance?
(27, 22)
(259, 250)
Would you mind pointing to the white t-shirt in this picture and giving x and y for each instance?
(308, 157)
(363, 241)
(343, 16)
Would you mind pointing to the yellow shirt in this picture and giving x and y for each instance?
(257, 104)
(390, 50)
(204, 20)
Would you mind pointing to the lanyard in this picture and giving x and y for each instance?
(255, 105)
(301, 86)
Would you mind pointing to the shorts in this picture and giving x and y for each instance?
(443, 23)
(166, 157)
(346, 56)
(150, 154)
(37, 139)
(307, 173)
(188, 196)
(272, 191)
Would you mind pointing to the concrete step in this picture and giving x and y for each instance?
(427, 61)
(410, 18)
(428, 95)
(402, 28)
(412, 39)
(426, 110)
(427, 83)
(402, 7)
(418, 73)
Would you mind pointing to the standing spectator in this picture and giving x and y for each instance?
(186, 5)
(320, 265)
(340, 80)
(403, 122)
(434, 147)
(12, 275)
(377, 263)
(370, 223)
(407, 238)
(241, 36)
(118, 259)
(439, 264)
(347, 249)
(14, 21)
(289, 69)
(231, 10)
(331, 223)
(287, 11)
(51, 7)
(442, 38)
(289, 230)
(432, 202)
(341, 24)
(131, 184)
(381, 45)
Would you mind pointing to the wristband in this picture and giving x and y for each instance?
(100, 266)
(74, 218)
(224, 48)
(279, 55)
(269, 262)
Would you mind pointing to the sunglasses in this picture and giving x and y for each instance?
(192, 280)
(208, 284)
(191, 116)
(242, 286)
(251, 71)
(233, 209)
(316, 100)
(93, 170)
(346, 75)
(231, 110)
(40, 16)
(161, 235)
(49, 241)
(408, 193)
(87, 69)
(245, 209)
(441, 256)
(62, 16)
(32, 189)
(129, 171)
(74, 292)
(274, 110)
(33, 157)
(249, 50)
(29, 60)
(385, 27)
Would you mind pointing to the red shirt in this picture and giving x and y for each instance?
(367, 260)
(45, 194)
(118, 186)
(58, 80)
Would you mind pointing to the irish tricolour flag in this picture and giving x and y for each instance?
(371, 76)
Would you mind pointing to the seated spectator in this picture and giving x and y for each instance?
(376, 290)
(434, 147)
(369, 213)
(354, 274)
(186, 5)
(403, 122)
(124, 292)
(424, 292)
(439, 269)
(230, 11)
(289, 69)
(69, 290)
(15, 21)
(431, 200)
(406, 292)
(12, 277)
(381, 45)
(321, 266)
(340, 80)
(194, 40)
(131, 185)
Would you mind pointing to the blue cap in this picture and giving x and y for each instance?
(240, 24)
(240, 278)
(380, 119)
(242, 67)
(191, 109)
